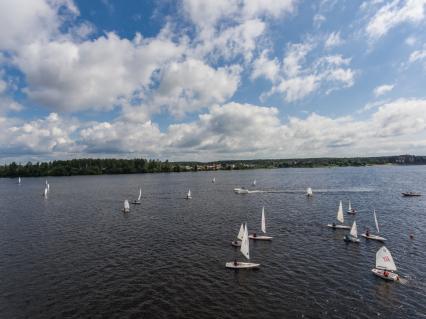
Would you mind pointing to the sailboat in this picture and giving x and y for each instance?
(188, 196)
(237, 243)
(385, 266)
(47, 186)
(214, 180)
(245, 250)
(353, 235)
(309, 192)
(19, 180)
(254, 183)
(340, 218)
(263, 227)
(367, 234)
(45, 193)
(350, 209)
(138, 201)
(126, 208)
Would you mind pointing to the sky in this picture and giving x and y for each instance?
(211, 80)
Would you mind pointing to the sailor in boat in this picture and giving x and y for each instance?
(254, 235)
(235, 242)
(367, 232)
(235, 263)
(334, 225)
(347, 238)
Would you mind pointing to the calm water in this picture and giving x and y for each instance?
(76, 255)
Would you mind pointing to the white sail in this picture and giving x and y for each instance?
(189, 194)
(126, 206)
(254, 183)
(19, 180)
(263, 220)
(48, 187)
(384, 259)
(45, 192)
(375, 220)
(354, 231)
(245, 244)
(214, 180)
(140, 194)
(309, 191)
(340, 213)
(350, 207)
(241, 232)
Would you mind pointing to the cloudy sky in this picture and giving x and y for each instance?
(211, 80)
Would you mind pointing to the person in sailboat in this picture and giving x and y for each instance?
(334, 225)
(254, 235)
(235, 263)
(367, 232)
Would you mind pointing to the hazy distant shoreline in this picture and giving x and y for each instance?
(89, 166)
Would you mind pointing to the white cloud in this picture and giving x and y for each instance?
(333, 40)
(263, 67)
(417, 55)
(383, 89)
(191, 85)
(68, 76)
(394, 13)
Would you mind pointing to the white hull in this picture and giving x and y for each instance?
(391, 276)
(373, 237)
(241, 265)
(351, 239)
(338, 226)
(126, 210)
(257, 237)
(236, 243)
(241, 191)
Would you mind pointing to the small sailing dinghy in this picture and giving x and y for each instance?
(188, 196)
(214, 180)
(45, 193)
(350, 209)
(340, 218)
(263, 226)
(245, 250)
(19, 180)
(126, 208)
(309, 192)
(138, 201)
(254, 183)
(385, 266)
(237, 243)
(368, 235)
(353, 235)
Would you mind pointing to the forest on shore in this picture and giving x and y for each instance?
(89, 166)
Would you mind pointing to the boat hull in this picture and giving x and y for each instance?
(241, 265)
(338, 226)
(351, 239)
(136, 202)
(381, 273)
(260, 237)
(411, 194)
(241, 191)
(236, 243)
(374, 237)
(352, 212)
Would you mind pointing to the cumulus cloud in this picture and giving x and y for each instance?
(394, 13)
(230, 130)
(383, 89)
(300, 76)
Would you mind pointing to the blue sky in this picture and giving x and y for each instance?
(211, 80)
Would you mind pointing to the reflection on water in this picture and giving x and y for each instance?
(77, 255)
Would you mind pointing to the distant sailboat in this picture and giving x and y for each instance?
(126, 208)
(214, 180)
(385, 266)
(309, 192)
(189, 196)
(45, 193)
(47, 186)
(340, 218)
(245, 250)
(254, 183)
(19, 180)
(138, 201)
(353, 235)
(237, 243)
(350, 209)
(241, 190)
(368, 235)
(263, 227)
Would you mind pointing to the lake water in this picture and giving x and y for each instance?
(76, 255)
